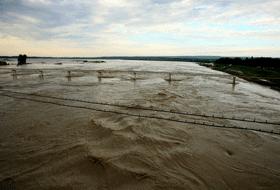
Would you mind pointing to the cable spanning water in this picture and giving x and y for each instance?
(194, 122)
(149, 109)
(43, 71)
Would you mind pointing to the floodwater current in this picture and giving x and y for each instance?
(50, 142)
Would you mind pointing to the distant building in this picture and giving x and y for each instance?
(22, 59)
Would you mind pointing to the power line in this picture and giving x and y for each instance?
(150, 109)
(208, 124)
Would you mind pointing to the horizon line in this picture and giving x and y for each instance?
(138, 56)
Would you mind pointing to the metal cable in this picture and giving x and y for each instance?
(151, 109)
(145, 116)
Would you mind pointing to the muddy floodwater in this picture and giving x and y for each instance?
(117, 129)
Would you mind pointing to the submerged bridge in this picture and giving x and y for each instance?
(102, 73)
(197, 119)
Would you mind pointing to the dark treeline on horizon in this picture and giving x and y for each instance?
(143, 58)
(206, 59)
(259, 62)
(252, 61)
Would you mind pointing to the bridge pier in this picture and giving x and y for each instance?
(99, 76)
(234, 80)
(41, 75)
(69, 76)
(14, 72)
(169, 77)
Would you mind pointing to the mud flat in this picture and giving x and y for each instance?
(51, 146)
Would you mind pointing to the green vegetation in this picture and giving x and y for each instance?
(265, 71)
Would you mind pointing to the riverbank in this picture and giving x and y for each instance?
(267, 76)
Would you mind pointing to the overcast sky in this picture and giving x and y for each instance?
(140, 27)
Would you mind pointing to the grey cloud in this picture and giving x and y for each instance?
(164, 1)
(17, 16)
(58, 13)
(87, 20)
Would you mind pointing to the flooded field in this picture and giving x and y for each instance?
(124, 125)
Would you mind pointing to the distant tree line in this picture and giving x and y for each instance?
(204, 59)
(254, 62)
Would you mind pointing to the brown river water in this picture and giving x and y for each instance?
(48, 143)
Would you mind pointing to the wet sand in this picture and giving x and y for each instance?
(45, 146)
